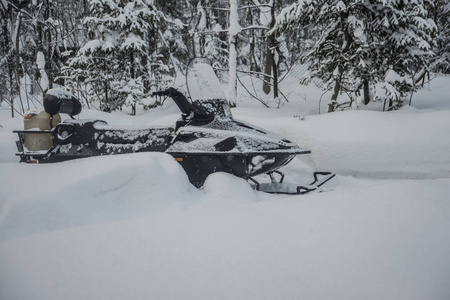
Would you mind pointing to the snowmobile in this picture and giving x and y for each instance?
(206, 139)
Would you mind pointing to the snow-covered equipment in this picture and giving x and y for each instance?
(206, 139)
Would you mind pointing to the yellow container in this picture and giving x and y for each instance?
(39, 121)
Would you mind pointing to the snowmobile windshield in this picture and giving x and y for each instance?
(201, 80)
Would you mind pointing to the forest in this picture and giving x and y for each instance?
(115, 53)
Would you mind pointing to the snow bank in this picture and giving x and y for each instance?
(433, 96)
(404, 144)
(48, 197)
(44, 197)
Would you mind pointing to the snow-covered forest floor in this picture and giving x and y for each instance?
(132, 227)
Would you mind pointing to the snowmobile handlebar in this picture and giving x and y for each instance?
(182, 102)
(186, 107)
(163, 93)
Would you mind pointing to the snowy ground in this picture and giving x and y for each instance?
(132, 227)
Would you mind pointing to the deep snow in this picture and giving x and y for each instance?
(132, 227)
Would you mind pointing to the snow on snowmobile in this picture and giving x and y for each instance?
(206, 139)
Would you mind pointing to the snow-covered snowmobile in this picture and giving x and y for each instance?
(206, 139)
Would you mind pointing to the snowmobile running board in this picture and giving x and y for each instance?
(280, 187)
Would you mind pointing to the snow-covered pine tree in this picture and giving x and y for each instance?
(209, 36)
(216, 49)
(441, 13)
(119, 61)
(172, 47)
(401, 38)
(340, 51)
(363, 42)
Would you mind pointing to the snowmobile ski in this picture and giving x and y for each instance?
(280, 187)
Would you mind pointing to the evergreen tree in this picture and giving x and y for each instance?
(120, 61)
(338, 51)
(363, 42)
(402, 37)
(441, 63)
(174, 47)
(216, 49)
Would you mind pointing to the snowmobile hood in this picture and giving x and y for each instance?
(225, 135)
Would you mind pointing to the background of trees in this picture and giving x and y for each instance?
(115, 52)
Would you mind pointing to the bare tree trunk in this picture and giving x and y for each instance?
(275, 78)
(39, 48)
(232, 70)
(133, 75)
(48, 53)
(366, 91)
(106, 101)
(270, 64)
(333, 101)
(17, 56)
(11, 92)
(232, 60)
(254, 66)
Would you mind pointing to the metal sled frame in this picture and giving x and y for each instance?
(32, 156)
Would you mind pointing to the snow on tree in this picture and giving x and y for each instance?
(208, 35)
(119, 62)
(233, 31)
(40, 62)
(215, 48)
(364, 42)
(403, 32)
(239, 27)
(198, 33)
(267, 18)
(339, 50)
(441, 63)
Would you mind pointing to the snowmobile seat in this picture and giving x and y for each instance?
(59, 101)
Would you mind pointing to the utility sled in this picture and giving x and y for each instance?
(206, 139)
